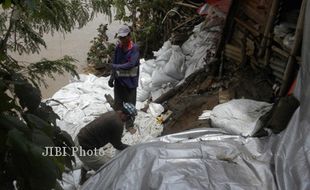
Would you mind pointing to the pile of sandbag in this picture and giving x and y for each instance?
(83, 100)
(173, 63)
(162, 73)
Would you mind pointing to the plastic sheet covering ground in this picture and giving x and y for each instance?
(213, 159)
(292, 155)
(197, 159)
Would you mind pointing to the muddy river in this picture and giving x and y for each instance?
(75, 44)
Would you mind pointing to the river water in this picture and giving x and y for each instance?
(75, 44)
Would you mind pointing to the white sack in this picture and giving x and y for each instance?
(82, 78)
(145, 82)
(239, 117)
(175, 66)
(188, 45)
(162, 59)
(157, 93)
(159, 78)
(155, 109)
(196, 40)
(197, 61)
(147, 66)
(163, 49)
(142, 95)
(206, 114)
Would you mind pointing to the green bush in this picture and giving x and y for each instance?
(27, 125)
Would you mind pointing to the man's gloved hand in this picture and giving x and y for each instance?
(111, 83)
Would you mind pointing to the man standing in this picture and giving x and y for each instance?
(125, 71)
(108, 128)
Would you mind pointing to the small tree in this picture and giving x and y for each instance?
(100, 52)
(146, 17)
(27, 125)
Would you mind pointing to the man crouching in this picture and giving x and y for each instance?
(108, 128)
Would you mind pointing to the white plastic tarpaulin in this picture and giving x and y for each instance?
(292, 155)
(197, 159)
(213, 159)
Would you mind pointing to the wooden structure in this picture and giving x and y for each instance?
(251, 42)
(255, 41)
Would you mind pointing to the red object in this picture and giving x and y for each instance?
(292, 88)
(222, 5)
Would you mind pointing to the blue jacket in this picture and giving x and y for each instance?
(124, 61)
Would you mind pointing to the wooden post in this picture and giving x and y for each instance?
(289, 71)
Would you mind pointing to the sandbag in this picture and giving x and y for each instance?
(162, 59)
(196, 62)
(239, 117)
(159, 78)
(164, 48)
(155, 109)
(175, 66)
(188, 45)
(157, 93)
(148, 66)
(142, 95)
(146, 82)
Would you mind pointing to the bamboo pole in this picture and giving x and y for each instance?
(280, 52)
(232, 48)
(246, 26)
(269, 24)
(254, 14)
(267, 52)
(276, 66)
(185, 22)
(233, 52)
(289, 71)
(186, 5)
